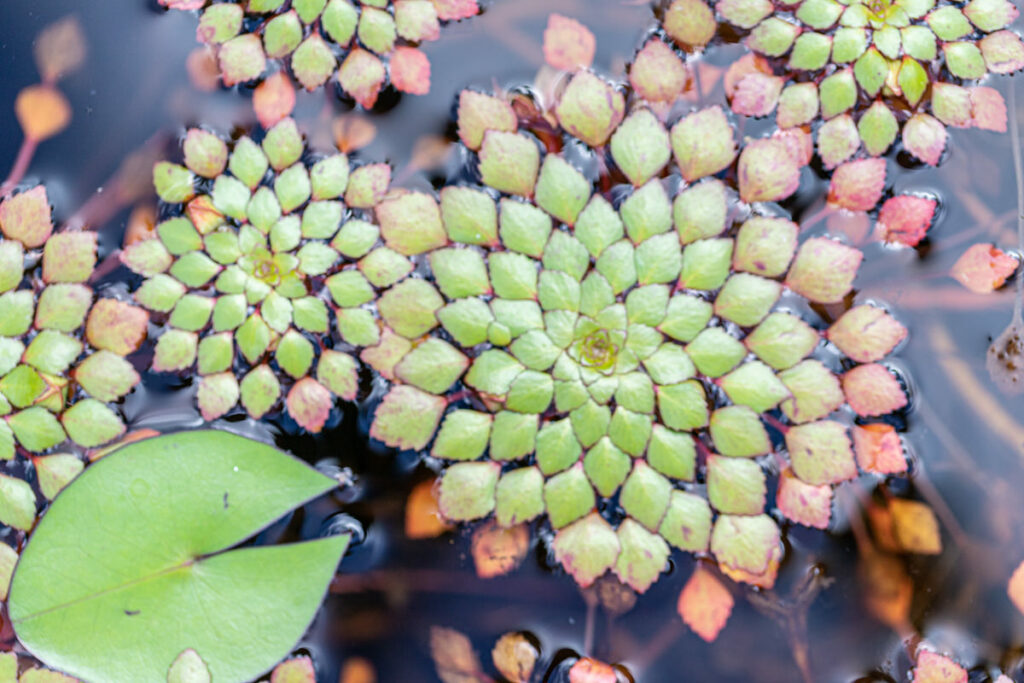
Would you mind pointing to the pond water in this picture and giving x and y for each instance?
(967, 442)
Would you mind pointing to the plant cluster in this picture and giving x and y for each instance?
(365, 44)
(866, 68)
(62, 349)
(627, 368)
(247, 274)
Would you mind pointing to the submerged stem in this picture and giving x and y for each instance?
(1018, 171)
(21, 163)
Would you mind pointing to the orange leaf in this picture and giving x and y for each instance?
(587, 670)
(878, 448)
(915, 527)
(497, 550)
(274, 99)
(983, 268)
(357, 670)
(141, 224)
(422, 519)
(888, 590)
(352, 132)
(705, 604)
(60, 49)
(42, 111)
(935, 668)
(1016, 587)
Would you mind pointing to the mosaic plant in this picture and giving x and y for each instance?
(246, 279)
(364, 44)
(62, 347)
(867, 68)
(625, 362)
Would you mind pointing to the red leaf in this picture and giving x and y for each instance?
(983, 268)
(568, 44)
(274, 99)
(803, 503)
(183, 4)
(857, 185)
(742, 67)
(705, 604)
(453, 10)
(756, 94)
(988, 109)
(410, 71)
(878, 448)
(905, 219)
(871, 390)
(309, 404)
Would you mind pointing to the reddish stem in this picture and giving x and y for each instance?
(774, 422)
(21, 164)
(816, 217)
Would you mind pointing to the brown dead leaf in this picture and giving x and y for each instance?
(514, 657)
(203, 69)
(352, 132)
(141, 224)
(59, 49)
(705, 604)
(273, 99)
(880, 520)
(497, 550)
(42, 111)
(615, 597)
(429, 152)
(888, 590)
(357, 670)
(454, 657)
(915, 527)
(422, 518)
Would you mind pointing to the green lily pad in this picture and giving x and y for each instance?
(153, 579)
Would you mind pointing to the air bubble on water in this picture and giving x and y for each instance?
(342, 523)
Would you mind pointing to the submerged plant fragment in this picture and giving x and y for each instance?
(363, 44)
(621, 345)
(871, 68)
(262, 282)
(62, 348)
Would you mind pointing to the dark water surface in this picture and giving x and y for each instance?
(967, 452)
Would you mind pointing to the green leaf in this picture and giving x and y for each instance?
(687, 522)
(735, 485)
(118, 596)
(17, 503)
(568, 496)
(645, 495)
(467, 490)
(561, 190)
(519, 496)
(463, 435)
(644, 556)
(640, 146)
(587, 548)
(706, 264)
(90, 423)
(683, 406)
(737, 431)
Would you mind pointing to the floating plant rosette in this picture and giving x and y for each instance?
(364, 44)
(867, 68)
(243, 277)
(628, 361)
(62, 348)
